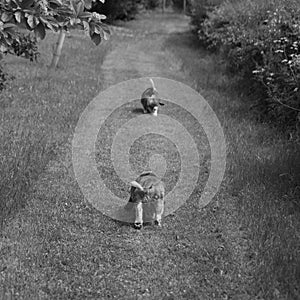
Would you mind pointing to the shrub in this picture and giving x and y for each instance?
(24, 46)
(198, 12)
(20, 45)
(260, 40)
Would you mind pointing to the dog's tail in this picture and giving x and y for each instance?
(136, 185)
(152, 83)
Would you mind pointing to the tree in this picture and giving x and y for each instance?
(56, 15)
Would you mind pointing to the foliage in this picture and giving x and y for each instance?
(260, 40)
(40, 15)
(117, 9)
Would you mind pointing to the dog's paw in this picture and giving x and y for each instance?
(138, 225)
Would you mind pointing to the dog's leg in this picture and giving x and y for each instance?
(159, 210)
(138, 223)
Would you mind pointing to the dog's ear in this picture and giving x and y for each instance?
(136, 185)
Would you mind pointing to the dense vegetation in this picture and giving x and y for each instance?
(261, 42)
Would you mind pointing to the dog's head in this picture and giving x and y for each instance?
(146, 188)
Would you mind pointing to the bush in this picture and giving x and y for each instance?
(24, 46)
(260, 40)
(198, 11)
(20, 45)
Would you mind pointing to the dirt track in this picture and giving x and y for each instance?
(140, 52)
(64, 249)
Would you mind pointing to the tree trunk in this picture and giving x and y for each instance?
(163, 5)
(184, 6)
(57, 50)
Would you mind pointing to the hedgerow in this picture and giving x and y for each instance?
(261, 41)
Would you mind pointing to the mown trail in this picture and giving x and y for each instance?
(59, 247)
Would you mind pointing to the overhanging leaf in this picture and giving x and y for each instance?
(26, 3)
(86, 25)
(85, 15)
(5, 17)
(9, 25)
(30, 21)
(17, 15)
(40, 31)
(79, 8)
(96, 38)
(88, 4)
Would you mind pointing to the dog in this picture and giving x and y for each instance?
(150, 100)
(148, 190)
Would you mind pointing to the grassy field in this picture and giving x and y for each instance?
(39, 109)
(244, 245)
(263, 174)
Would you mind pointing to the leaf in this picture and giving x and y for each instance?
(9, 25)
(79, 8)
(96, 38)
(10, 30)
(26, 3)
(85, 15)
(40, 31)
(86, 25)
(88, 4)
(17, 15)
(102, 17)
(97, 29)
(73, 6)
(51, 25)
(105, 35)
(36, 21)
(30, 21)
(55, 3)
(5, 17)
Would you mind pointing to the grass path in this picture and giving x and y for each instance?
(59, 247)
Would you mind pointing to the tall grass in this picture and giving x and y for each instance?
(38, 111)
(262, 177)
